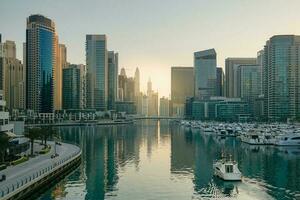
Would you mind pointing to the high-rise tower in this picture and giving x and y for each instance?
(97, 71)
(231, 75)
(205, 63)
(281, 79)
(137, 82)
(112, 79)
(40, 63)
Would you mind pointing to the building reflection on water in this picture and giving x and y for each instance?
(108, 150)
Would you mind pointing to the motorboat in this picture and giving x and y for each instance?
(288, 140)
(227, 170)
(252, 137)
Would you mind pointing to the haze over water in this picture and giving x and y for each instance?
(161, 160)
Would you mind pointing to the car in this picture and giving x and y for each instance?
(3, 178)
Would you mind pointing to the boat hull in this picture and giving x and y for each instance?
(228, 176)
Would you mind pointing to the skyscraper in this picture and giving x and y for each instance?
(12, 76)
(71, 88)
(9, 49)
(83, 97)
(122, 79)
(40, 63)
(137, 82)
(61, 63)
(205, 63)
(164, 107)
(250, 84)
(63, 55)
(57, 78)
(281, 79)
(153, 104)
(97, 72)
(231, 75)
(182, 86)
(152, 100)
(149, 86)
(130, 89)
(112, 79)
(220, 82)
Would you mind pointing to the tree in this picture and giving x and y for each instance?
(4, 141)
(46, 133)
(33, 134)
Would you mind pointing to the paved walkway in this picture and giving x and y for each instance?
(24, 173)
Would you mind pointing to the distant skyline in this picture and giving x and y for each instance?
(155, 35)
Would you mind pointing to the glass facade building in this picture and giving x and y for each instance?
(250, 84)
(232, 111)
(281, 82)
(231, 81)
(112, 79)
(40, 61)
(218, 108)
(182, 87)
(97, 72)
(205, 64)
(71, 88)
(220, 82)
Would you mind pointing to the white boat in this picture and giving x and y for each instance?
(208, 129)
(227, 170)
(252, 137)
(288, 140)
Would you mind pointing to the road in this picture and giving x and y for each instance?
(24, 173)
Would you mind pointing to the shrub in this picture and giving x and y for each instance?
(2, 167)
(45, 150)
(20, 160)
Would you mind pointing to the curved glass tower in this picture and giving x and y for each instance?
(40, 61)
(281, 79)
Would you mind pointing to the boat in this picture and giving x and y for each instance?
(288, 140)
(252, 137)
(222, 132)
(208, 130)
(227, 170)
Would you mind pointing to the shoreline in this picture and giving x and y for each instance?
(82, 123)
(100, 123)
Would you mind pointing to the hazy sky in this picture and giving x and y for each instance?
(157, 34)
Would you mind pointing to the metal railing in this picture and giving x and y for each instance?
(27, 180)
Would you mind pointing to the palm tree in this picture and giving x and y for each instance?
(47, 132)
(33, 134)
(4, 141)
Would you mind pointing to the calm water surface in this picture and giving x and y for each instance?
(161, 160)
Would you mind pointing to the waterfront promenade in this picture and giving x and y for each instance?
(82, 123)
(21, 177)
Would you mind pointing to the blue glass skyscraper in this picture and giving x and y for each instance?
(40, 61)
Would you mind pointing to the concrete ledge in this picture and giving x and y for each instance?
(81, 123)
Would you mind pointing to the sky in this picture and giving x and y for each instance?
(157, 34)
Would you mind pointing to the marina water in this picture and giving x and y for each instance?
(153, 159)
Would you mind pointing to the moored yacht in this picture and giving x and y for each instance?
(288, 140)
(257, 137)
